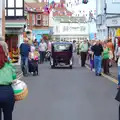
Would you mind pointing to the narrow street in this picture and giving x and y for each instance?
(65, 94)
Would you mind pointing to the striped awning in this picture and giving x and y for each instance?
(15, 24)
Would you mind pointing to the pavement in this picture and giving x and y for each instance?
(67, 94)
(113, 69)
(18, 69)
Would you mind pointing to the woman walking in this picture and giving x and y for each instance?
(105, 54)
(7, 75)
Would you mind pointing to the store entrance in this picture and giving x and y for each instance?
(12, 41)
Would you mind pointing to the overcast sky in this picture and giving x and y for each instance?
(86, 7)
(79, 8)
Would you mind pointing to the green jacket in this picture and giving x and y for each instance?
(106, 53)
(7, 74)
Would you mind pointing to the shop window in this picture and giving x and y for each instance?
(12, 41)
(38, 19)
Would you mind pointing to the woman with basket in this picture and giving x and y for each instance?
(7, 75)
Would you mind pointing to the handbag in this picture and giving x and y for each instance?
(118, 95)
(20, 90)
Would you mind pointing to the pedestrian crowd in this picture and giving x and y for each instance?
(32, 55)
(101, 55)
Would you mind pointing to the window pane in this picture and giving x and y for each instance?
(39, 17)
(38, 22)
(5, 3)
(10, 3)
(11, 12)
(19, 12)
(19, 3)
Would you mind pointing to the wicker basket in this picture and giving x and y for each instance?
(21, 95)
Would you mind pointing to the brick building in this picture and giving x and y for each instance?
(14, 26)
(37, 19)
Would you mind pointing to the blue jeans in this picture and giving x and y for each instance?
(24, 65)
(98, 64)
(7, 102)
(118, 75)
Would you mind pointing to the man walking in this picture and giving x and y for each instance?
(42, 49)
(24, 52)
(97, 49)
(83, 52)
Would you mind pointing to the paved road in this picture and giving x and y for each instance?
(64, 94)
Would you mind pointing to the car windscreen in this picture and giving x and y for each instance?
(62, 47)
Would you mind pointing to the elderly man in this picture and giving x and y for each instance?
(4, 44)
(24, 52)
(83, 51)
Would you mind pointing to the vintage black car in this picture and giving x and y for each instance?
(61, 54)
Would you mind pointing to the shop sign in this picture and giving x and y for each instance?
(116, 1)
(41, 32)
(113, 22)
(118, 32)
(14, 31)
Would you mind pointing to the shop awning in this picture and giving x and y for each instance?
(15, 23)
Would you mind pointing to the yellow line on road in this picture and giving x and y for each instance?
(106, 76)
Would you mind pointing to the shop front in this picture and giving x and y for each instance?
(38, 33)
(71, 38)
(113, 25)
(14, 37)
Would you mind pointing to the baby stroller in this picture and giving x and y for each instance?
(33, 65)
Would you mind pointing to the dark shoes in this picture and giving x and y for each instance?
(98, 74)
(25, 75)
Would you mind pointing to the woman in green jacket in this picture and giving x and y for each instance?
(105, 54)
(7, 75)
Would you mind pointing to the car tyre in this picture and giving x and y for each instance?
(71, 67)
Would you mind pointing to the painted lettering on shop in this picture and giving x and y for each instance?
(114, 21)
(82, 28)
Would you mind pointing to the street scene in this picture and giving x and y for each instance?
(60, 60)
(67, 94)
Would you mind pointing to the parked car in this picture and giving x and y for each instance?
(61, 53)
